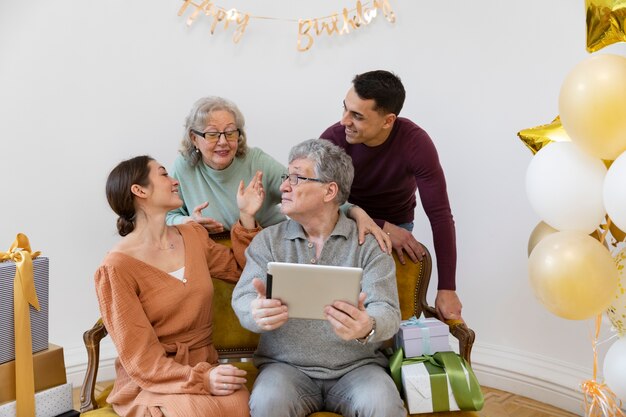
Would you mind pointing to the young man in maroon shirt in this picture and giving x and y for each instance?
(393, 158)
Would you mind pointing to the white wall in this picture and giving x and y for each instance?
(85, 85)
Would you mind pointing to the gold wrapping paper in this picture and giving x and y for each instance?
(49, 371)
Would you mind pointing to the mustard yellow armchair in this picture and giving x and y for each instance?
(237, 345)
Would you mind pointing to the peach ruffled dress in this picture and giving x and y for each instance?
(162, 326)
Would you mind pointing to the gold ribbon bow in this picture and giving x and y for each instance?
(24, 294)
(599, 399)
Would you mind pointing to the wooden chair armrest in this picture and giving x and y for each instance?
(459, 330)
(92, 338)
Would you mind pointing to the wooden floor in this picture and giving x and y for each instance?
(503, 404)
(497, 404)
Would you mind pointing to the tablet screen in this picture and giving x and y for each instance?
(306, 289)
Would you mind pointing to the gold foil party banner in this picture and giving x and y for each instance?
(334, 24)
(349, 20)
(217, 15)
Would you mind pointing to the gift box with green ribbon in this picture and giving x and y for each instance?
(432, 383)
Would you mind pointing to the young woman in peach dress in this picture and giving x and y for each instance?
(155, 293)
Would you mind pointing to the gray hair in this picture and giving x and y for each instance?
(331, 164)
(196, 119)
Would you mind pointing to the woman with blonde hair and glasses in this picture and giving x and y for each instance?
(215, 157)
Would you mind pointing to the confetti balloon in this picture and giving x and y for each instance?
(617, 310)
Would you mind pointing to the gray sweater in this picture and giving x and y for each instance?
(311, 345)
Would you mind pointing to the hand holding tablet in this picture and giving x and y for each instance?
(268, 314)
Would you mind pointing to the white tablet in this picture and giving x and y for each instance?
(306, 289)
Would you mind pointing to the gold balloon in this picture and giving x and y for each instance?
(543, 229)
(573, 275)
(606, 20)
(537, 137)
(540, 231)
(592, 105)
(617, 310)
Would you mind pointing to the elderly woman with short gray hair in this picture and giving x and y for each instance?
(215, 158)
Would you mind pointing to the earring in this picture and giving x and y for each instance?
(197, 150)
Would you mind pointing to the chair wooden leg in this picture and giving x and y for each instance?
(92, 338)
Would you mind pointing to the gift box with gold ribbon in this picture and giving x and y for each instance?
(433, 383)
(49, 371)
(38, 318)
(23, 292)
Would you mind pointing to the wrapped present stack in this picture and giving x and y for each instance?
(33, 382)
(430, 376)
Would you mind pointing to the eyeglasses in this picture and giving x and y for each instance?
(214, 137)
(293, 178)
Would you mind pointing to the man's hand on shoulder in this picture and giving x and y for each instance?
(366, 225)
(448, 305)
(403, 240)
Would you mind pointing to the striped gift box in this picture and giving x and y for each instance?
(38, 319)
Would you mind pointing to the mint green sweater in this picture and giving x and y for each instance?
(202, 183)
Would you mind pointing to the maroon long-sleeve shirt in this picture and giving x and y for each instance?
(385, 181)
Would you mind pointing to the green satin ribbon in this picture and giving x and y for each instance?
(24, 294)
(468, 397)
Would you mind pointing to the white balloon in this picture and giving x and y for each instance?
(615, 368)
(564, 187)
(615, 191)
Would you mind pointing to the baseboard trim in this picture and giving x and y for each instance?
(76, 363)
(544, 379)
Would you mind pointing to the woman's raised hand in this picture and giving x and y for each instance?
(250, 199)
(210, 224)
